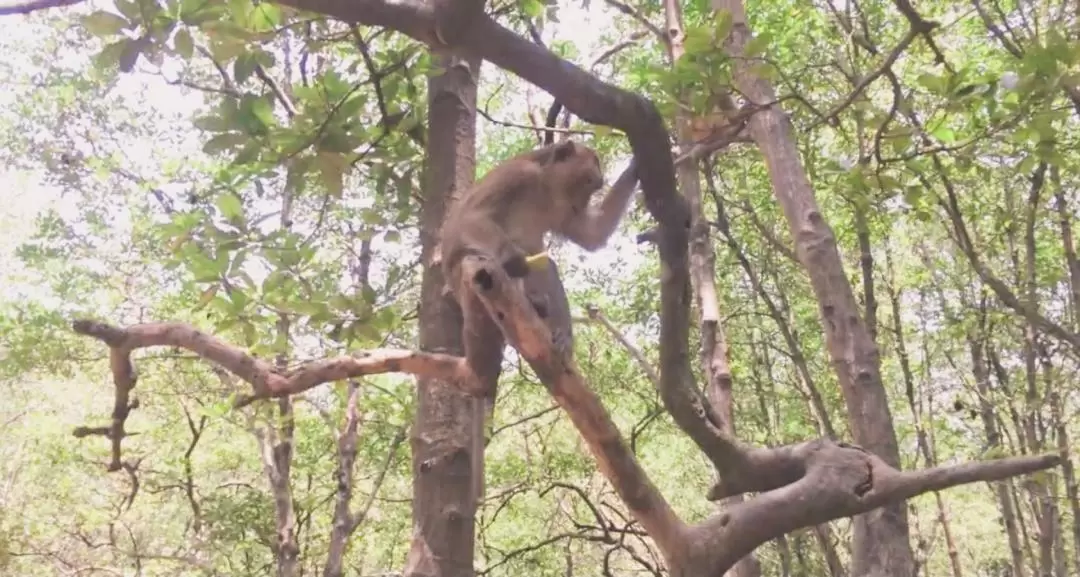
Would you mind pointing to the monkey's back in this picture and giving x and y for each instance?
(512, 194)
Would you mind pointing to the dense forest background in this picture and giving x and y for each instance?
(250, 163)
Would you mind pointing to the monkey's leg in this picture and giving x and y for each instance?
(484, 344)
(545, 291)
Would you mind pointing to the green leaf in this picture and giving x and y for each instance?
(230, 205)
(244, 66)
(225, 48)
(130, 54)
(224, 142)
(532, 8)
(256, 114)
(203, 269)
(128, 8)
(722, 22)
(206, 296)
(212, 124)
(102, 23)
(265, 17)
(185, 46)
(110, 55)
(352, 105)
(944, 134)
(248, 153)
(697, 40)
(757, 45)
(932, 82)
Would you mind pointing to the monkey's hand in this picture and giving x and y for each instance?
(538, 261)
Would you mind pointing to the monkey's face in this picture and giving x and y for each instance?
(576, 168)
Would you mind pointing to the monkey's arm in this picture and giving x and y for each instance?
(591, 229)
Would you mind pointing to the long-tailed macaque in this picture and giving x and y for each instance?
(505, 217)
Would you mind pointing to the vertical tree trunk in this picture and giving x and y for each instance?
(1072, 494)
(925, 438)
(881, 547)
(447, 436)
(276, 445)
(993, 441)
(1044, 509)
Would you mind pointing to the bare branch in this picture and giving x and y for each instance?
(264, 378)
(629, 11)
(596, 315)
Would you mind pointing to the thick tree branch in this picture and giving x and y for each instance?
(531, 337)
(836, 480)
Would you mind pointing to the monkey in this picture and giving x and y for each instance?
(505, 216)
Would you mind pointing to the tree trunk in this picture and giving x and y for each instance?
(993, 441)
(1073, 264)
(447, 436)
(881, 546)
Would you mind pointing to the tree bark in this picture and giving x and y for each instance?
(447, 436)
(881, 541)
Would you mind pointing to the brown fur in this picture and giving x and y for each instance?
(505, 217)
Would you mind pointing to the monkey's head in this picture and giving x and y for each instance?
(574, 169)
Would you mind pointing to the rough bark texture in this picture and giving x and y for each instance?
(447, 436)
(881, 546)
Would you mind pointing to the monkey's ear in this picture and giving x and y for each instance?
(563, 150)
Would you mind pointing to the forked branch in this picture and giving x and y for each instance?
(264, 379)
